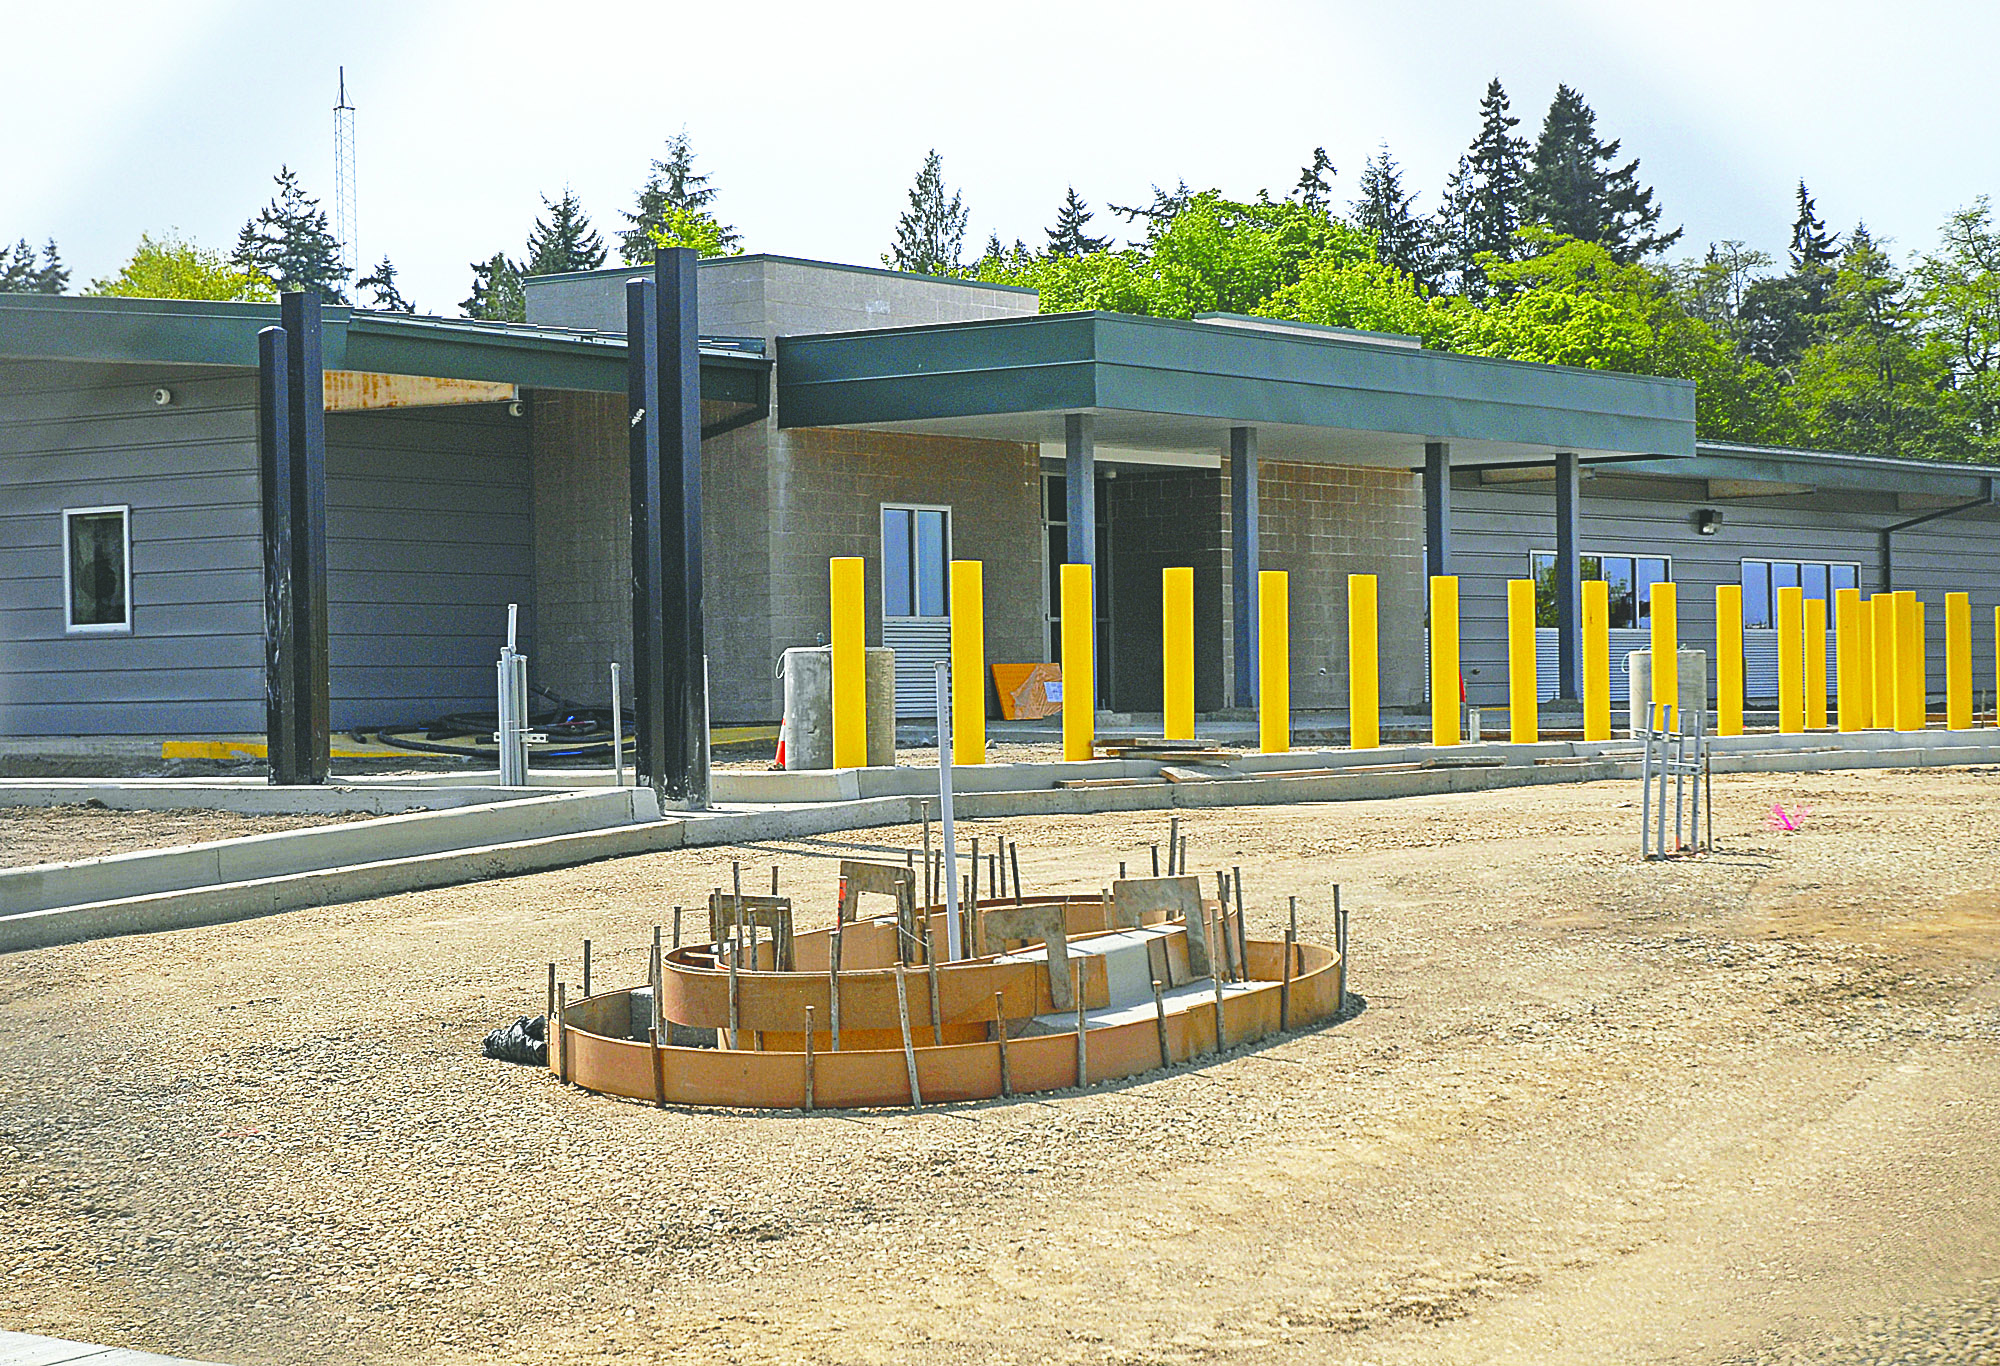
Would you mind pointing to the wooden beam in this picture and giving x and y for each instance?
(363, 391)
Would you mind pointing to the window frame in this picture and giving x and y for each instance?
(916, 595)
(1772, 591)
(1641, 609)
(97, 628)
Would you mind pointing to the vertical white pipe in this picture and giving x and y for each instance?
(954, 939)
(617, 728)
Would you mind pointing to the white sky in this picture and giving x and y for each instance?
(812, 118)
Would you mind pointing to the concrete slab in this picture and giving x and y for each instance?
(26, 1349)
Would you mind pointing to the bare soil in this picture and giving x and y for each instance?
(1743, 1108)
(58, 834)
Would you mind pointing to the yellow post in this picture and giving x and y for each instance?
(1364, 678)
(1596, 660)
(1996, 666)
(850, 664)
(1523, 695)
(1274, 661)
(1444, 659)
(1666, 662)
(1957, 661)
(1815, 630)
(1882, 612)
(1079, 663)
(1729, 659)
(968, 662)
(1850, 637)
(1909, 662)
(1177, 653)
(1791, 661)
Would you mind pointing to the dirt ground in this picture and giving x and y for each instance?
(56, 834)
(1736, 1109)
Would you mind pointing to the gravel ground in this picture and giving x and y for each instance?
(56, 834)
(1736, 1109)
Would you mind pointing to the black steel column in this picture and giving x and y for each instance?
(1243, 560)
(1437, 508)
(305, 395)
(669, 673)
(1569, 593)
(1080, 491)
(274, 478)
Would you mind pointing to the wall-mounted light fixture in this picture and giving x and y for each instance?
(162, 397)
(1706, 520)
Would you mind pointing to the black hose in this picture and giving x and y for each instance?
(578, 732)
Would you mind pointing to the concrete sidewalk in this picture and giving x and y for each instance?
(26, 1349)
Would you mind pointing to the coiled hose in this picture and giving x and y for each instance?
(575, 732)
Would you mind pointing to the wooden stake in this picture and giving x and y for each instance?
(1173, 845)
(1156, 860)
(1242, 939)
(1082, 1031)
(975, 868)
(1160, 1020)
(909, 1049)
(774, 879)
(549, 1015)
(586, 969)
(833, 986)
(659, 1067)
(677, 927)
(1224, 943)
(1217, 977)
(1014, 856)
(735, 952)
(1294, 920)
(809, 1058)
(931, 971)
(1285, 988)
(1000, 1032)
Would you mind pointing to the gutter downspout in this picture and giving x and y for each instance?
(1886, 548)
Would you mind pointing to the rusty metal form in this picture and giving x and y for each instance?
(987, 1031)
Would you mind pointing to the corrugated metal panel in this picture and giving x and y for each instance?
(1623, 642)
(919, 643)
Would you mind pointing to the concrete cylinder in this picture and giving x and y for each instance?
(1693, 672)
(807, 728)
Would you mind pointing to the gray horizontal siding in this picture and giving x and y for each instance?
(1495, 529)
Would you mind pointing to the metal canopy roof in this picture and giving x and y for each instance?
(1168, 385)
(185, 332)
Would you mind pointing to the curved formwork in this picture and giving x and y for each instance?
(1070, 991)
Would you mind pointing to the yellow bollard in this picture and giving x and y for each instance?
(1444, 659)
(1910, 700)
(1596, 660)
(1079, 664)
(1957, 661)
(1177, 653)
(1364, 677)
(1852, 673)
(1791, 661)
(1523, 691)
(1815, 643)
(1666, 663)
(1882, 612)
(1274, 662)
(968, 662)
(850, 664)
(1729, 659)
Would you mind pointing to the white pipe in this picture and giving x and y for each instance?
(954, 940)
(617, 728)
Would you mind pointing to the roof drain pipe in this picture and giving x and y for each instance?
(1886, 548)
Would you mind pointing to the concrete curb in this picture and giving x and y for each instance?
(259, 799)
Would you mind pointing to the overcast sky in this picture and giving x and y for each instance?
(813, 118)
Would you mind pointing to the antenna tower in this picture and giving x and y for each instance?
(345, 225)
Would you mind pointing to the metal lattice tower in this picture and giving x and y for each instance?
(345, 225)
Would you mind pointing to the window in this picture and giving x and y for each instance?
(1630, 580)
(1763, 578)
(97, 569)
(916, 547)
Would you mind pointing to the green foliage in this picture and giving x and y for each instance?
(1483, 198)
(1573, 188)
(1958, 308)
(381, 285)
(1067, 237)
(290, 244)
(20, 275)
(564, 241)
(1871, 384)
(497, 294)
(170, 267)
(1402, 240)
(930, 235)
(673, 191)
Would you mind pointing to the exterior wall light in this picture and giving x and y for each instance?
(1706, 520)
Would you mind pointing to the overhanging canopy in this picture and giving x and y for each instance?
(1168, 385)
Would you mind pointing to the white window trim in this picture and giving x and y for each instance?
(1768, 561)
(70, 626)
(949, 530)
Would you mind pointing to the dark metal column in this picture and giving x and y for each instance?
(274, 478)
(1243, 560)
(1080, 490)
(1569, 593)
(669, 673)
(305, 385)
(1437, 508)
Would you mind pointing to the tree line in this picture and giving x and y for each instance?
(1546, 249)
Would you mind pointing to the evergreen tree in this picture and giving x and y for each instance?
(1483, 199)
(497, 295)
(381, 283)
(290, 244)
(1315, 184)
(1401, 239)
(672, 183)
(1067, 237)
(1813, 247)
(930, 234)
(1868, 384)
(1167, 205)
(1574, 189)
(20, 275)
(1782, 314)
(564, 241)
